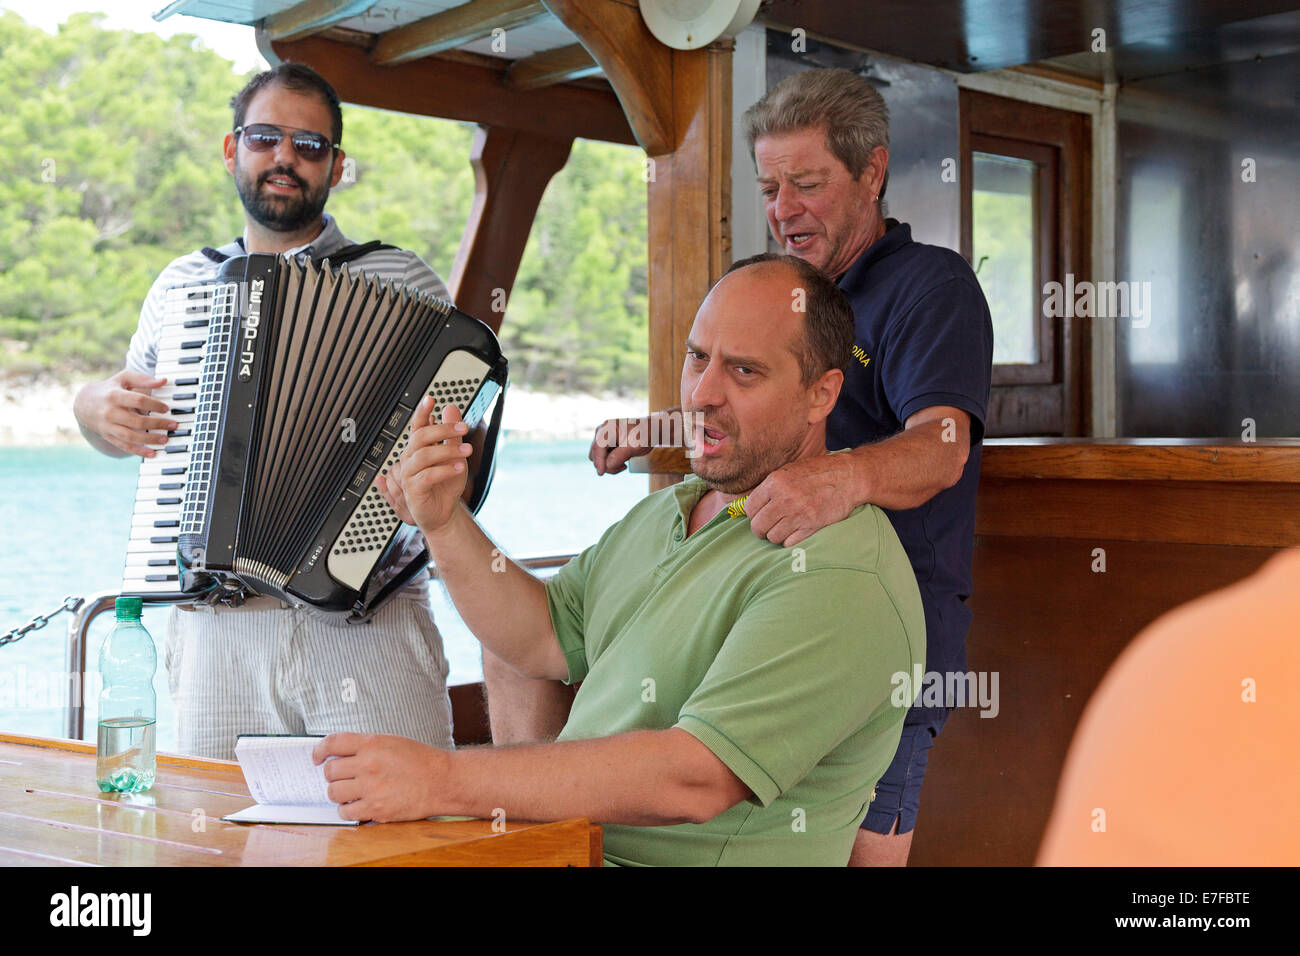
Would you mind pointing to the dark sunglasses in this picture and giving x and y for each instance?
(259, 137)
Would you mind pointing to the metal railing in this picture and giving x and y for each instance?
(96, 604)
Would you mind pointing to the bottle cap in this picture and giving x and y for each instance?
(128, 608)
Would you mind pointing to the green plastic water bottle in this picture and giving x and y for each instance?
(127, 704)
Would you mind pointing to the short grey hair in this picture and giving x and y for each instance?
(850, 110)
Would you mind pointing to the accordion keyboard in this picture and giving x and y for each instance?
(192, 345)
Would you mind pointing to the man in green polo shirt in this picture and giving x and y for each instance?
(725, 716)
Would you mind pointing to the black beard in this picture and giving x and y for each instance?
(281, 213)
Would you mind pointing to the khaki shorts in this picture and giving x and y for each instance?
(270, 669)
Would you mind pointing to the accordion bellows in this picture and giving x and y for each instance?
(301, 381)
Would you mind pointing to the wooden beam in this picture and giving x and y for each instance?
(550, 67)
(452, 28)
(312, 16)
(638, 66)
(461, 91)
(511, 170)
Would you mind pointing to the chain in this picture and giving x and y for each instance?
(70, 604)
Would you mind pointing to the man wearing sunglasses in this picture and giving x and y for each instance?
(265, 667)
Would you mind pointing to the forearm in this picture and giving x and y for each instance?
(906, 470)
(99, 444)
(501, 603)
(636, 779)
(523, 710)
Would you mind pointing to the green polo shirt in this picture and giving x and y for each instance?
(779, 660)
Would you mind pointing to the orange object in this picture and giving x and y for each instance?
(1189, 752)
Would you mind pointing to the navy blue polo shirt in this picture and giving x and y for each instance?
(922, 337)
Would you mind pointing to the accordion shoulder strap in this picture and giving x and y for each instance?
(339, 256)
(229, 250)
(354, 251)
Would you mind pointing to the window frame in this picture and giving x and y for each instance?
(1046, 215)
(1051, 396)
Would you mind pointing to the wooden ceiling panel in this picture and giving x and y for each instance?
(454, 87)
(541, 35)
(454, 27)
(551, 67)
(312, 16)
(974, 35)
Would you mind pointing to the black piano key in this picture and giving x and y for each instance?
(183, 410)
(182, 382)
(161, 562)
(194, 323)
(160, 577)
(162, 539)
(184, 396)
(167, 523)
(169, 501)
(173, 449)
(171, 486)
(195, 344)
(190, 360)
(173, 471)
(179, 433)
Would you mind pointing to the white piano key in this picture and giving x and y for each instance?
(145, 525)
(150, 587)
(156, 511)
(142, 559)
(154, 467)
(144, 547)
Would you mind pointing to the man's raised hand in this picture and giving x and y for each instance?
(425, 484)
(607, 454)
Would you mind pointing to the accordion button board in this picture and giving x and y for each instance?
(371, 526)
(257, 490)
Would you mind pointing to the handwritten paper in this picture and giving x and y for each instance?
(287, 785)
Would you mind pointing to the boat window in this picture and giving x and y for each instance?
(1004, 233)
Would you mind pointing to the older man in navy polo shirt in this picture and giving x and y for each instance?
(914, 402)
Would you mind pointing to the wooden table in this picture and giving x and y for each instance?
(52, 814)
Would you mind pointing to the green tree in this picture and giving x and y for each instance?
(110, 167)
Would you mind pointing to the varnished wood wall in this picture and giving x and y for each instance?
(1174, 521)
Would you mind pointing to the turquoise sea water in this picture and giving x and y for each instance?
(64, 517)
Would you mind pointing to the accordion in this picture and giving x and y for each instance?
(293, 384)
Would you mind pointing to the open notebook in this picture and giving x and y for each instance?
(287, 786)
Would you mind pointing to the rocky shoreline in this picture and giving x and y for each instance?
(39, 413)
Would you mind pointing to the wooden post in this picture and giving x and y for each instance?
(689, 215)
(678, 104)
(511, 170)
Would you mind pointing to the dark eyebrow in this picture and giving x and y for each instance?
(733, 359)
